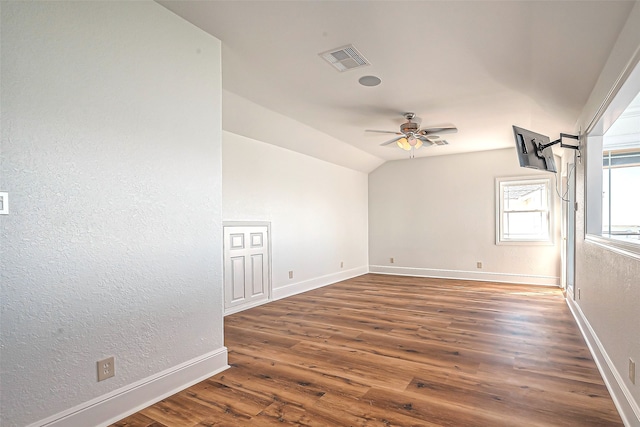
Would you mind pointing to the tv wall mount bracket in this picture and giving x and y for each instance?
(559, 141)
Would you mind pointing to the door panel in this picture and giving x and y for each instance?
(237, 279)
(257, 276)
(237, 241)
(256, 240)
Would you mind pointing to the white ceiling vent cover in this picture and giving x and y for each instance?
(345, 58)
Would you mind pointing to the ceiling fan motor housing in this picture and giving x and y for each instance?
(408, 127)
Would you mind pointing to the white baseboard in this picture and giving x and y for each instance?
(627, 407)
(484, 276)
(318, 282)
(240, 308)
(111, 407)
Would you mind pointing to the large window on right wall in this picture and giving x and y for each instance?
(613, 172)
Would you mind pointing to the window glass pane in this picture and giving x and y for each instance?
(524, 197)
(621, 176)
(526, 225)
(622, 203)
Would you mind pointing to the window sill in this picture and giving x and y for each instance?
(525, 243)
(628, 249)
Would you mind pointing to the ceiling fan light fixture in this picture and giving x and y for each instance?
(403, 143)
(413, 137)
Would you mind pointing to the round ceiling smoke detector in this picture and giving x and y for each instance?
(369, 81)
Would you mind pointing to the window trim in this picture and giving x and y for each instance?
(626, 86)
(515, 180)
(631, 250)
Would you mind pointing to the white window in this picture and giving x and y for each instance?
(524, 211)
(621, 192)
(613, 172)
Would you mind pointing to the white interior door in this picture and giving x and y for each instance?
(247, 281)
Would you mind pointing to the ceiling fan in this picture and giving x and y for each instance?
(413, 137)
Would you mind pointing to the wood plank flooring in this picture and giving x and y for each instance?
(399, 351)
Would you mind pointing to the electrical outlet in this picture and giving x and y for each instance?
(632, 371)
(341, 264)
(391, 260)
(291, 274)
(479, 264)
(106, 368)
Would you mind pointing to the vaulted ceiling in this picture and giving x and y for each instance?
(481, 65)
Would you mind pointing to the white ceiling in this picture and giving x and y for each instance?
(482, 65)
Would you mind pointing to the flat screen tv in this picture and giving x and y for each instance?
(531, 151)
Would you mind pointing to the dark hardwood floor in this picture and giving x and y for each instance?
(399, 351)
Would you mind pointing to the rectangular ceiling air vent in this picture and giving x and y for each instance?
(345, 58)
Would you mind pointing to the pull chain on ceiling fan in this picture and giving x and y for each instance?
(412, 137)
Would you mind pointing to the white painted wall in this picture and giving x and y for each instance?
(111, 154)
(609, 282)
(317, 210)
(436, 217)
(251, 120)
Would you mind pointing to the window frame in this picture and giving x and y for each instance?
(524, 180)
(626, 88)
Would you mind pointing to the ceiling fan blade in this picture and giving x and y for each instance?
(441, 142)
(425, 142)
(391, 141)
(431, 130)
(383, 131)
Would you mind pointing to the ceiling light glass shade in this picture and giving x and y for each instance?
(404, 144)
(418, 143)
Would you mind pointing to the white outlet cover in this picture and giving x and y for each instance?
(4, 203)
(106, 368)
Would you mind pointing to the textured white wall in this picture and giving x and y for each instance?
(438, 213)
(111, 154)
(609, 282)
(318, 210)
